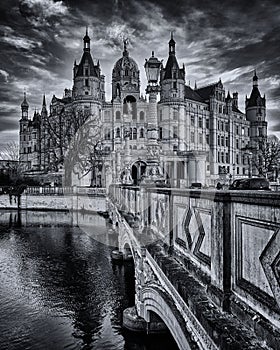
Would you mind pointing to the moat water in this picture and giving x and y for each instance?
(59, 288)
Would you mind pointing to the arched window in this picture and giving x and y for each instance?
(118, 115)
(107, 134)
(141, 133)
(118, 132)
(142, 115)
(134, 134)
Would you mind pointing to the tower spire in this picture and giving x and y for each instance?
(86, 41)
(125, 43)
(44, 101)
(255, 78)
(172, 45)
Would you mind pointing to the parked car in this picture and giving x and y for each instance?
(196, 185)
(256, 183)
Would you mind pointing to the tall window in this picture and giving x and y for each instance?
(200, 122)
(118, 132)
(175, 132)
(192, 137)
(141, 133)
(160, 133)
(118, 115)
(192, 120)
(142, 115)
(86, 82)
(134, 134)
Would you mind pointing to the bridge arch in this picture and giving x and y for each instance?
(155, 300)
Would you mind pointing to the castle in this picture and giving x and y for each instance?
(202, 133)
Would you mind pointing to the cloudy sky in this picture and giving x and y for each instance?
(39, 40)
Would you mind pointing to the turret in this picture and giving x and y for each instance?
(24, 108)
(256, 113)
(229, 103)
(172, 77)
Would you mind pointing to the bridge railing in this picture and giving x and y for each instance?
(227, 239)
(66, 190)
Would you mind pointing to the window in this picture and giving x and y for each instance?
(86, 82)
(260, 131)
(227, 158)
(174, 85)
(134, 134)
(237, 159)
(207, 139)
(222, 141)
(192, 120)
(107, 134)
(160, 133)
(86, 92)
(192, 137)
(226, 141)
(200, 138)
(118, 132)
(118, 115)
(175, 132)
(200, 122)
(86, 72)
(237, 143)
(207, 123)
(219, 142)
(142, 115)
(142, 133)
(237, 130)
(126, 72)
(175, 114)
(222, 157)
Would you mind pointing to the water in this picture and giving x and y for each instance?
(59, 289)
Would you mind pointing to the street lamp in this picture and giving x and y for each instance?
(153, 173)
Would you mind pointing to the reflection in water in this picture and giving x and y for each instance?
(59, 289)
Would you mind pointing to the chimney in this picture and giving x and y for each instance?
(235, 99)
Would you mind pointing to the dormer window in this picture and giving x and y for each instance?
(86, 72)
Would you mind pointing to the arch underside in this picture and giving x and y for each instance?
(157, 301)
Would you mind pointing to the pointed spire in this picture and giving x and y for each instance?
(228, 96)
(125, 43)
(44, 101)
(172, 45)
(255, 78)
(195, 85)
(24, 102)
(86, 41)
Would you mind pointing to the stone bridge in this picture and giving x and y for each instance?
(207, 263)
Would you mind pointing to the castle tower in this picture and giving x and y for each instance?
(23, 132)
(88, 83)
(171, 106)
(125, 79)
(172, 78)
(256, 112)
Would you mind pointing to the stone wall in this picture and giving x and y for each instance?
(54, 202)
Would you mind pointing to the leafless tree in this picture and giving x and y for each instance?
(10, 151)
(84, 152)
(266, 155)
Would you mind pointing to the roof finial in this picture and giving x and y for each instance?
(125, 43)
(171, 34)
(44, 101)
(87, 30)
(153, 54)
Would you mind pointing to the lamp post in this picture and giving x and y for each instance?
(153, 173)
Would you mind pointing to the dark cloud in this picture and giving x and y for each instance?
(39, 40)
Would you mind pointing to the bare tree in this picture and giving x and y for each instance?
(85, 151)
(266, 155)
(62, 129)
(10, 152)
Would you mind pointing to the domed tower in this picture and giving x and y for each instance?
(256, 112)
(88, 81)
(125, 79)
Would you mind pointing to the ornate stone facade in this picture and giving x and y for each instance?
(202, 132)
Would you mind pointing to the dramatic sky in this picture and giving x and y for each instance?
(39, 40)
